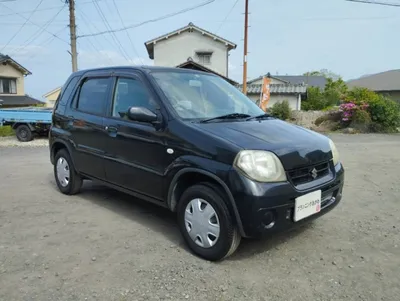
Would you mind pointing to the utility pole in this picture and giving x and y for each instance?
(72, 30)
(246, 26)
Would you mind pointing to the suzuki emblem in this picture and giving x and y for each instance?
(314, 173)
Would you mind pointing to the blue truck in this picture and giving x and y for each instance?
(27, 122)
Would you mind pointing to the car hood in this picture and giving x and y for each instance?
(295, 146)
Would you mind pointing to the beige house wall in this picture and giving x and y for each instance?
(9, 71)
(51, 97)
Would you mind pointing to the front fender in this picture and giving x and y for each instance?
(214, 170)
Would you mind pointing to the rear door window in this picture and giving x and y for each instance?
(93, 95)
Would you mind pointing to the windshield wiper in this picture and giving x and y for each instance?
(265, 115)
(227, 116)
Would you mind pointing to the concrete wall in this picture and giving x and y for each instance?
(292, 99)
(11, 72)
(177, 49)
(307, 118)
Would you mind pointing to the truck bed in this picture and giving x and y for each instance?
(25, 115)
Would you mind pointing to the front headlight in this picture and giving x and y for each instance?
(335, 152)
(261, 166)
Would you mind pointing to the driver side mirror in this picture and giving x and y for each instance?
(142, 114)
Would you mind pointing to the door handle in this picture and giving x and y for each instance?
(112, 130)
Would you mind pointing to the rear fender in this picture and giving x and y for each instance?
(59, 144)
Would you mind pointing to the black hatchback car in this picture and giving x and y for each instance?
(193, 143)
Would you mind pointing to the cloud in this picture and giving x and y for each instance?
(231, 67)
(103, 58)
(23, 53)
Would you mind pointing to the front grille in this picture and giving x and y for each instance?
(306, 174)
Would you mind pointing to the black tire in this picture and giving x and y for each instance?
(229, 236)
(75, 180)
(24, 133)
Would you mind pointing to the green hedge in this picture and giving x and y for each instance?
(6, 131)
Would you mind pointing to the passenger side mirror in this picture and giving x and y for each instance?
(142, 114)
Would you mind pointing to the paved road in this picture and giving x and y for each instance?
(104, 245)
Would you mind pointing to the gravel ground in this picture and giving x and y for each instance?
(103, 245)
(13, 141)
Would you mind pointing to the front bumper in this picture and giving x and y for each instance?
(258, 203)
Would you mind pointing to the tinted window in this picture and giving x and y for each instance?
(93, 95)
(67, 90)
(130, 92)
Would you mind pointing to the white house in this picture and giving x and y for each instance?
(191, 43)
(280, 89)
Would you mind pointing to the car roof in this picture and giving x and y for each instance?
(146, 69)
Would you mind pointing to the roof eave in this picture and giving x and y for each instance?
(19, 66)
(52, 91)
(229, 44)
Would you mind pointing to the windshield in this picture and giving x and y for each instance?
(203, 96)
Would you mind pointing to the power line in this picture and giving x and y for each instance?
(95, 38)
(127, 33)
(39, 32)
(151, 20)
(226, 17)
(113, 35)
(376, 2)
(49, 32)
(43, 9)
(85, 20)
(48, 41)
(22, 26)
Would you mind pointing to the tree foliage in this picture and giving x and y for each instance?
(318, 99)
(281, 110)
(323, 72)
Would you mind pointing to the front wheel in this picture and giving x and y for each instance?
(206, 223)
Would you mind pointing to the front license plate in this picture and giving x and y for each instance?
(307, 205)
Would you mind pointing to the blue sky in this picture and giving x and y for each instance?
(285, 37)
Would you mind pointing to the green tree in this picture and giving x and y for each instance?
(323, 72)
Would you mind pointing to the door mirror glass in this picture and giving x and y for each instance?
(141, 114)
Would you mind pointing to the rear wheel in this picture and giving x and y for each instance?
(24, 133)
(67, 179)
(206, 223)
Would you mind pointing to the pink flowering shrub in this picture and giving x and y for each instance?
(348, 110)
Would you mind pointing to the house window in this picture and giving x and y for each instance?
(204, 58)
(8, 86)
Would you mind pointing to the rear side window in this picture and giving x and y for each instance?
(67, 90)
(93, 96)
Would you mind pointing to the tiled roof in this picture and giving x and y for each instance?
(16, 100)
(277, 89)
(384, 81)
(190, 64)
(311, 81)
